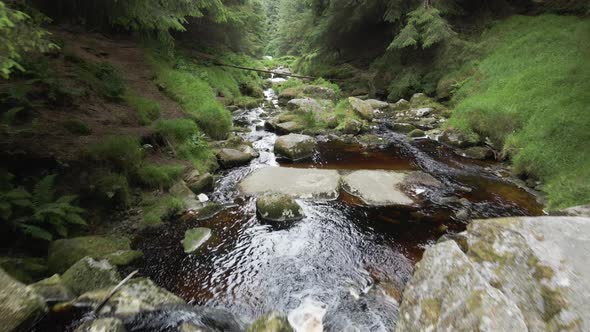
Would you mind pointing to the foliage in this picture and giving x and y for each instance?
(425, 27)
(148, 110)
(101, 77)
(20, 34)
(159, 176)
(529, 95)
(39, 214)
(110, 187)
(77, 127)
(121, 153)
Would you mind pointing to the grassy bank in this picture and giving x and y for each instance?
(530, 94)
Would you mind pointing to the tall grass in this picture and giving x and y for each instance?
(531, 95)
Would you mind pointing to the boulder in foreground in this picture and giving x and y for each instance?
(278, 208)
(20, 306)
(295, 146)
(377, 187)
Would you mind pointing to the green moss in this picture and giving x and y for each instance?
(553, 302)
(121, 153)
(66, 252)
(430, 310)
(529, 94)
(77, 127)
(147, 110)
(157, 208)
(110, 187)
(159, 176)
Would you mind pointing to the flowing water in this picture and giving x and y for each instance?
(345, 263)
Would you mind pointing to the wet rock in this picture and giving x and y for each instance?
(135, 296)
(400, 105)
(20, 306)
(361, 108)
(308, 316)
(377, 188)
(417, 133)
(271, 322)
(102, 325)
(477, 153)
(350, 127)
(288, 94)
(446, 293)
(320, 92)
(295, 146)
(190, 327)
(421, 179)
(402, 127)
(576, 211)
(66, 252)
(229, 158)
(194, 238)
(124, 257)
(89, 274)
(377, 104)
(53, 289)
(278, 208)
(462, 214)
(199, 183)
(456, 139)
(537, 266)
(422, 112)
(303, 105)
(249, 150)
(289, 127)
(182, 191)
(298, 183)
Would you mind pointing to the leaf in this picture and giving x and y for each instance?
(75, 219)
(43, 192)
(35, 232)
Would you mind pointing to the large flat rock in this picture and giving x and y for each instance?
(377, 187)
(299, 183)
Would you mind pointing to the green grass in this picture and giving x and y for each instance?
(159, 176)
(147, 110)
(188, 142)
(121, 153)
(530, 94)
(101, 77)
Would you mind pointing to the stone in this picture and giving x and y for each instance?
(350, 127)
(203, 198)
(124, 257)
(446, 293)
(576, 211)
(419, 99)
(298, 183)
(66, 252)
(20, 306)
(400, 105)
(537, 265)
(53, 289)
(229, 158)
(456, 139)
(320, 92)
(377, 188)
(135, 296)
(289, 127)
(182, 191)
(89, 274)
(295, 146)
(278, 208)
(199, 183)
(402, 127)
(304, 105)
(476, 152)
(288, 94)
(377, 104)
(102, 325)
(417, 133)
(194, 238)
(422, 112)
(308, 316)
(421, 179)
(190, 327)
(361, 108)
(271, 322)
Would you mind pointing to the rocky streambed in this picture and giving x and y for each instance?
(323, 232)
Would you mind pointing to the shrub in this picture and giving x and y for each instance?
(77, 127)
(159, 176)
(147, 110)
(120, 153)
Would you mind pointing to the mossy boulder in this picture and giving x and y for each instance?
(89, 274)
(20, 306)
(102, 325)
(289, 127)
(420, 99)
(199, 183)
(417, 133)
(304, 105)
(476, 152)
(278, 208)
(229, 158)
(271, 322)
(458, 139)
(53, 289)
(400, 105)
(319, 92)
(361, 108)
(377, 104)
(24, 269)
(66, 252)
(288, 94)
(350, 127)
(403, 128)
(295, 146)
(194, 238)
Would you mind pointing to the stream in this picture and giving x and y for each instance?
(345, 263)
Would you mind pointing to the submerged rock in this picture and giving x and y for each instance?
(53, 289)
(377, 188)
(295, 146)
(511, 274)
(361, 108)
(20, 306)
(298, 183)
(137, 295)
(229, 158)
(102, 325)
(278, 208)
(271, 322)
(194, 238)
(66, 252)
(89, 274)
